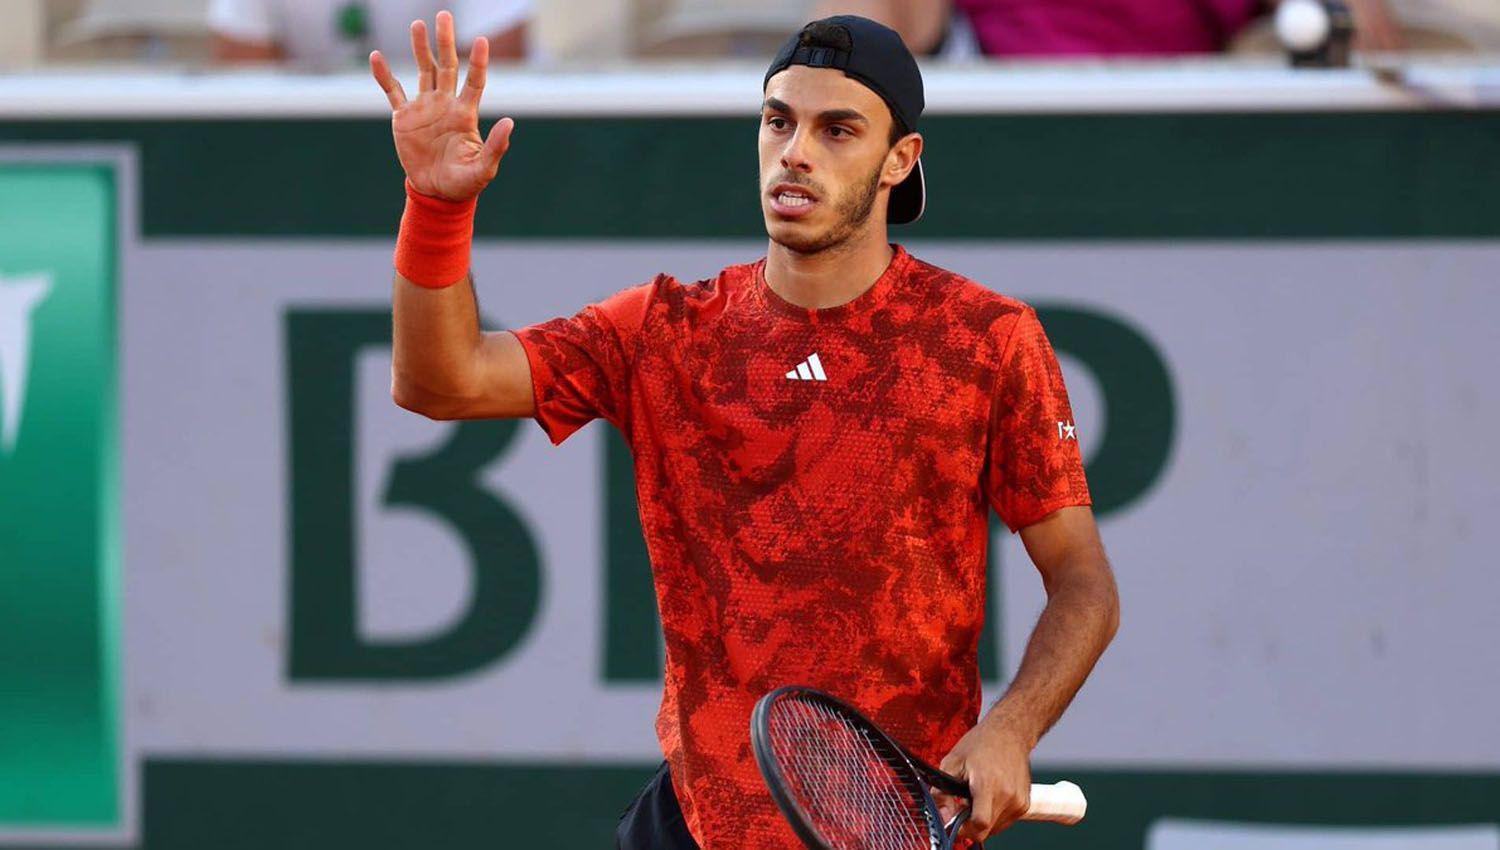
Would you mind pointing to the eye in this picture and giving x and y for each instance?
(776, 122)
(838, 131)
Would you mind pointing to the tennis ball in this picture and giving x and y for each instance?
(1302, 25)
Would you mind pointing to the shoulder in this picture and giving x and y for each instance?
(677, 300)
(975, 310)
(963, 292)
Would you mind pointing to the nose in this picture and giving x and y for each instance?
(794, 155)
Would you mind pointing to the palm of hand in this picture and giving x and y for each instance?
(437, 133)
(438, 143)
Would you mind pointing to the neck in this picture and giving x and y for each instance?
(832, 277)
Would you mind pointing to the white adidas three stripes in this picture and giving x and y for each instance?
(808, 370)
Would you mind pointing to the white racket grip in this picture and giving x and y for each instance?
(1060, 803)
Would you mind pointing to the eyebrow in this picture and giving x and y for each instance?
(827, 116)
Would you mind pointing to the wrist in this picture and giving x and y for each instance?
(1007, 725)
(432, 248)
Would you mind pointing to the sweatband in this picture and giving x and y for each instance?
(432, 249)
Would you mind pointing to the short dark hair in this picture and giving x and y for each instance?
(825, 33)
(828, 34)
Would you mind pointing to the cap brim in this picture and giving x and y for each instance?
(908, 198)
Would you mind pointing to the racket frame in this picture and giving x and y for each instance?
(921, 772)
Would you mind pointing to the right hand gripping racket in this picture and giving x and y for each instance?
(843, 784)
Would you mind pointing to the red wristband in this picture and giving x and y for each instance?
(432, 249)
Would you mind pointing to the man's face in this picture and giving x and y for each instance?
(824, 145)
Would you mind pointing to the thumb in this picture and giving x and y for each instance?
(498, 142)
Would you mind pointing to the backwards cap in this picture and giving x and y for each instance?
(875, 56)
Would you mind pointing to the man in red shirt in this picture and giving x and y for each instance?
(818, 437)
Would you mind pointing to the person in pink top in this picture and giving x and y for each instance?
(1106, 27)
(1088, 28)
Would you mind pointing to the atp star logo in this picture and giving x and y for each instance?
(19, 296)
(1067, 431)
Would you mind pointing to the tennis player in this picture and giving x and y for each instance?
(818, 437)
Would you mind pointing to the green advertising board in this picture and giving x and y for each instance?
(213, 190)
(60, 732)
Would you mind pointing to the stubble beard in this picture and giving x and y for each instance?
(854, 213)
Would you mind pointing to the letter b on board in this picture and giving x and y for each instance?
(322, 346)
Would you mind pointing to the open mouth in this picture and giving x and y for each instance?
(791, 201)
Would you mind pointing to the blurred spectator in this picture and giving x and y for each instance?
(21, 38)
(757, 29)
(927, 26)
(333, 34)
(1423, 25)
(1057, 28)
(1060, 27)
(170, 31)
(733, 28)
(1106, 27)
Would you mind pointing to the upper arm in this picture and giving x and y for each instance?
(1034, 466)
(1063, 540)
(1067, 551)
(580, 367)
(505, 378)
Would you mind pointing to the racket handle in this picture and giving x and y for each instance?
(1060, 803)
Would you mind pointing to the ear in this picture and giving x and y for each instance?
(902, 159)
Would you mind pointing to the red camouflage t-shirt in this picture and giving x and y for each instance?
(813, 489)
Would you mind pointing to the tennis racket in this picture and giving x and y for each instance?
(843, 784)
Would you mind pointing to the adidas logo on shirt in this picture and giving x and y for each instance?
(808, 370)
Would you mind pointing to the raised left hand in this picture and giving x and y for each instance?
(437, 132)
(997, 765)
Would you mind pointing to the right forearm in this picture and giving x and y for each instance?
(435, 343)
(435, 334)
(443, 367)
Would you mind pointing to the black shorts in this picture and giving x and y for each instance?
(654, 821)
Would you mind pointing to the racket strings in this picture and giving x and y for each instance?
(850, 783)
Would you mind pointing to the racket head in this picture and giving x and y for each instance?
(839, 780)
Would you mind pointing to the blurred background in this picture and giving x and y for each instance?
(246, 602)
(335, 34)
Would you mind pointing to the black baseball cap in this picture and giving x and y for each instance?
(873, 54)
